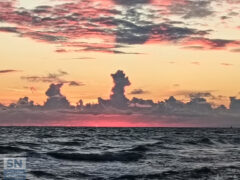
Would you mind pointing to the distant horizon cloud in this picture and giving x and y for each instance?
(57, 105)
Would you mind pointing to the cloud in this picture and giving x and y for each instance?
(237, 50)
(55, 99)
(83, 58)
(193, 9)
(74, 83)
(24, 103)
(207, 43)
(138, 91)
(9, 29)
(139, 112)
(53, 78)
(132, 2)
(195, 63)
(194, 95)
(194, 47)
(234, 104)
(131, 33)
(73, 25)
(54, 90)
(6, 71)
(199, 105)
(118, 98)
(141, 103)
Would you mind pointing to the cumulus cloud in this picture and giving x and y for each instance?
(194, 112)
(25, 102)
(141, 103)
(234, 104)
(55, 99)
(118, 98)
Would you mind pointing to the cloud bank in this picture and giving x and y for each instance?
(121, 110)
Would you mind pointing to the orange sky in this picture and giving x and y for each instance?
(162, 68)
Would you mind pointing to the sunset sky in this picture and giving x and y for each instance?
(166, 48)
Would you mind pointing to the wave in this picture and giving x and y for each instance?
(12, 149)
(205, 141)
(42, 174)
(203, 172)
(236, 140)
(67, 143)
(30, 144)
(140, 148)
(97, 157)
(77, 174)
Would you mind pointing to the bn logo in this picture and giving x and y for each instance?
(14, 169)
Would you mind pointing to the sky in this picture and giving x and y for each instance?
(166, 48)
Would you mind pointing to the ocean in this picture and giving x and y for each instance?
(71, 153)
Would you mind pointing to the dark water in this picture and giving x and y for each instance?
(124, 153)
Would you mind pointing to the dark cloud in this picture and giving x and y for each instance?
(118, 98)
(141, 103)
(207, 43)
(199, 105)
(120, 82)
(169, 106)
(106, 50)
(131, 2)
(195, 110)
(9, 29)
(5, 71)
(44, 37)
(114, 23)
(194, 47)
(55, 99)
(138, 91)
(224, 17)
(194, 95)
(50, 78)
(130, 33)
(194, 9)
(24, 103)
(54, 90)
(53, 78)
(234, 104)
(74, 83)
